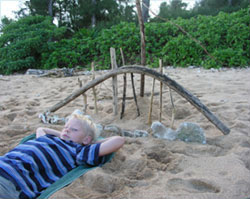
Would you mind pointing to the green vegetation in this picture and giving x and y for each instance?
(23, 43)
(36, 42)
(226, 37)
(177, 8)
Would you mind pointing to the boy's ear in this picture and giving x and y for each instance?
(87, 140)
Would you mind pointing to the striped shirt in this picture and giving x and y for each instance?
(36, 164)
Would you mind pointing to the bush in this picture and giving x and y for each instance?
(226, 38)
(86, 47)
(35, 42)
(23, 42)
(125, 36)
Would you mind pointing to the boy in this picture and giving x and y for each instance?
(29, 168)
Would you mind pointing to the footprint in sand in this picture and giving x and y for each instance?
(244, 158)
(11, 116)
(31, 104)
(181, 112)
(11, 103)
(191, 186)
(30, 113)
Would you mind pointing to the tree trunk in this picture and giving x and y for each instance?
(145, 11)
(93, 18)
(50, 8)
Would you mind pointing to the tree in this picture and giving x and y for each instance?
(23, 42)
(50, 8)
(175, 9)
(213, 7)
(93, 19)
(76, 14)
(145, 10)
(37, 7)
(5, 21)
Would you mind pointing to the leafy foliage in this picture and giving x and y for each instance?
(23, 42)
(177, 8)
(67, 53)
(225, 36)
(213, 7)
(87, 46)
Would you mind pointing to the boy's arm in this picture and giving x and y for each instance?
(43, 131)
(110, 145)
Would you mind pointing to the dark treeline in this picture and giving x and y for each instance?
(177, 8)
(77, 14)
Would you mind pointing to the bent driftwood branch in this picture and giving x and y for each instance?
(152, 73)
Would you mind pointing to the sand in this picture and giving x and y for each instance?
(147, 167)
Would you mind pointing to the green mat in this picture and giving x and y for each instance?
(69, 177)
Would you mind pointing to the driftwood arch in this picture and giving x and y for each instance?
(154, 74)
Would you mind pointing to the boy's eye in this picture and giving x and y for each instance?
(73, 129)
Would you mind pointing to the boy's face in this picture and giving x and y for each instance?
(74, 131)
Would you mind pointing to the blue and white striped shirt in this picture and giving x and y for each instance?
(36, 164)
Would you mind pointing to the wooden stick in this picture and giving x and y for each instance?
(134, 94)
(93, 89)
(85, 104)
(124, 95)
(143, 44)
(114, 81)
(124, 86)
(123, 60)
(151, 103)
(160, 115)
(173, 108)
(124, 89)
(152, 73)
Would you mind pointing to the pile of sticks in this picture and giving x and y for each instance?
(142, 70)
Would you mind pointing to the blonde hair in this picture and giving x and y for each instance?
(88, 124)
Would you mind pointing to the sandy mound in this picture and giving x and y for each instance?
(147, 167)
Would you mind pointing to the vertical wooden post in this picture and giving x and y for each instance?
(124, 89)
(151, 103)
(114, 81)
(93, 89)
(124, 86)
(124, 95)
(160, 116)
(123, 60)
(143, 44)
(134, 94)
(85, 104)
(173, 108)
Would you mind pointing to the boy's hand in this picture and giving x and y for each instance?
(43, 131)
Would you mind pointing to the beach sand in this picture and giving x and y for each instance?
(146, 167)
